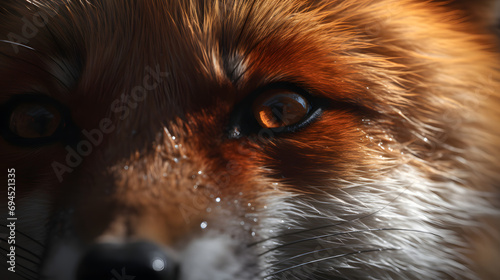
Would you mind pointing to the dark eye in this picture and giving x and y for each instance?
(280, 108)
(32, 119)
(274, 109)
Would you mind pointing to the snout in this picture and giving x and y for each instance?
(127, 261)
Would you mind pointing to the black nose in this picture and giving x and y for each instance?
(128, 261)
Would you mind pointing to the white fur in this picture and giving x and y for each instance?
(410, 217)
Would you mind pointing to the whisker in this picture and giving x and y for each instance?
(314, 251)
(61, 50)
(330, 258)
(36, 66)
(332, 225)
(345, 233)
(245, 23)
(243, 27)
(17, 44)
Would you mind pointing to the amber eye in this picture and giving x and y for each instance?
(32, 120)
(280, 108)
(275, 110)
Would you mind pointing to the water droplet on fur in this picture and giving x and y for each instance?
(235, 201)
(200, 172)
(158, 264)
(204, 225)
(425, 139)
(125, 167)
(209, 210)
(195, 186)
(176, 160)
(249, 204)
(217, 199)
(253, 233)
(235, 133)
(242, 223)
(173, 138)
(176, 147)
(255, 220)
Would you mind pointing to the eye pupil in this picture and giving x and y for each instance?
(280, 108)
(32, 120)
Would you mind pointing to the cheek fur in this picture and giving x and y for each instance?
(324, 151)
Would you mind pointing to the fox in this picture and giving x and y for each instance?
(249, 139)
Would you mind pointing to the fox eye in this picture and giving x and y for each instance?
(32, 119)
(279, 108)
(275, 109)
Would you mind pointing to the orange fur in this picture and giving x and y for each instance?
(412, 87)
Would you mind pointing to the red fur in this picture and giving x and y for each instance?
(410, 84)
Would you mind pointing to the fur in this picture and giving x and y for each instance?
(398, 178)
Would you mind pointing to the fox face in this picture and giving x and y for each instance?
(198, 140)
